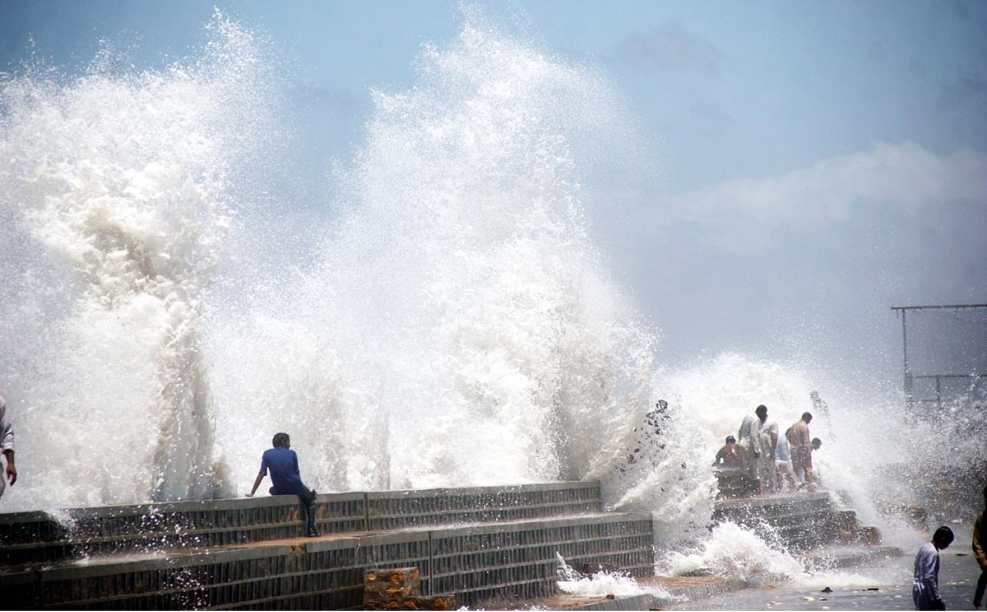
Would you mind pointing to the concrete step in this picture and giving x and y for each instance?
(36, 537)
(773, 506)
(510, 559)
(802, 521)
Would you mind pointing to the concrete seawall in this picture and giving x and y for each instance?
(477, 544)
(484, 546)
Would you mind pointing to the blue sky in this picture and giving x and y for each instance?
(729, 89)
(811, 162)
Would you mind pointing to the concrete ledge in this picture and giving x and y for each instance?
(513, 560)
(802, 520)
(778, 503)
(37, 537)
(634, 602)
(704, 590)
(417, 508)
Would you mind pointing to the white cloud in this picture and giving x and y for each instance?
(741, 213)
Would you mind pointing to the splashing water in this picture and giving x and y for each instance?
(733, 551)
(120, 182)
(465, 332)
(603, 583)
(451, 325)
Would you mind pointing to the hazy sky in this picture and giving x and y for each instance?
(812, 163)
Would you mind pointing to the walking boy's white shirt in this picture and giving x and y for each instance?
(6, 441)
(925, 587)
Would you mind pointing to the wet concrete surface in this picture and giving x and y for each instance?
(890, 588)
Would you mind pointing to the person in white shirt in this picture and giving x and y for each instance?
(925, 588)
(783, 463)
(750, 439)
(7, 447)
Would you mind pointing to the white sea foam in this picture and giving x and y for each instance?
(459, 328)
(603, 583)
(120, 182)
(733, 551)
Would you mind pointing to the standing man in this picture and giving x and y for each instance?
(800, 443)
(816, 476)
(768, 472)
(783, 465)
(925, 588)
(7, 446)
(283, 463)
(751, 441)
(979, 548)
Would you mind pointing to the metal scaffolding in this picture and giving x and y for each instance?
(948, 352)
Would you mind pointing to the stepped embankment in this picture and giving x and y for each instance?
(492, 547)
(476, 544)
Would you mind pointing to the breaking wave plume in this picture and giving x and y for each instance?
(115, 202)
(458, 327)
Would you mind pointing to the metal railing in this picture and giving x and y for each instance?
(910, 378)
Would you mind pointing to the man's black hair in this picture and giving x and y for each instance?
(944, 534)
(816, 441)
(806, 417)
(280, 439)
(761, 407)
(731, 439)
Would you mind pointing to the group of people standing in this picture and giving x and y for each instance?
(774, 462)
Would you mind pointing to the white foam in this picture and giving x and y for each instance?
(121, 182)
(732, 551)
(604, 583)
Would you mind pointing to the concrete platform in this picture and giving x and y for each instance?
(478, 544)
(37, 537)
(492, 547)
(802, 521)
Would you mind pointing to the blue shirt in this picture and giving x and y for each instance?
(283, 463)
(783, 451)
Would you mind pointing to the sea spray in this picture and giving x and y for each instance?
(604, 583)
(464, 326)
(119, 180)
(733, 551)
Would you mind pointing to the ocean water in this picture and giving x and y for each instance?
(443, 319)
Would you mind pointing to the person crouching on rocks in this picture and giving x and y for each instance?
(283, 463)
(730, 456)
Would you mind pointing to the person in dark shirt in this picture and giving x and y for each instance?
(283, 463)
(730, 456)
(980, 553)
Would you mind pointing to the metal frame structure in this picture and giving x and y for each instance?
(938, 378)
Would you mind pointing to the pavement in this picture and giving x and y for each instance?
(889, 588)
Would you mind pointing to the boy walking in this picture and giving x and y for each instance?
(283, 463)
(925, 588)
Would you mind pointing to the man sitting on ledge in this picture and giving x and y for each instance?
(283, 463)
